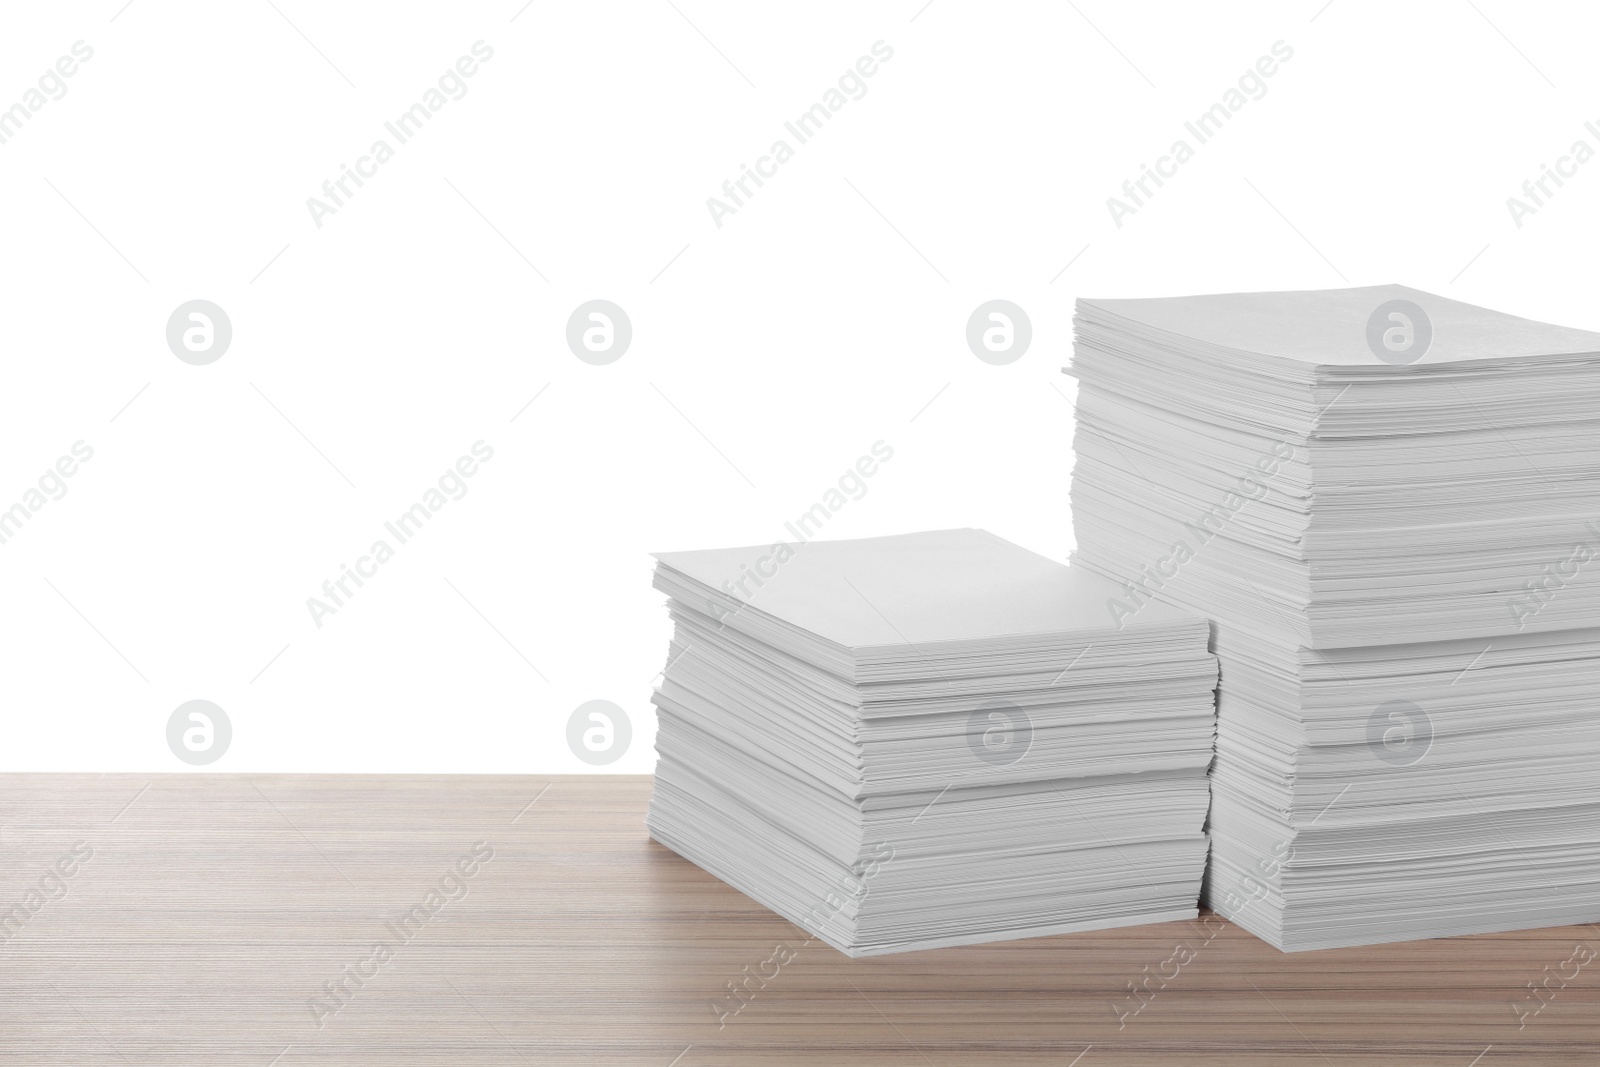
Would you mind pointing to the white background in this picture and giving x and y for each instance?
(768, 354)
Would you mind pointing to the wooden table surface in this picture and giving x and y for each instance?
(193, 920)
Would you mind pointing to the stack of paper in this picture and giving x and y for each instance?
(1387, 502)
(931, 739)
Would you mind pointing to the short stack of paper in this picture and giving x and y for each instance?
(1386, 502)
(931, 739)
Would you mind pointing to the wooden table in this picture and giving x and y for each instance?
(204, 913)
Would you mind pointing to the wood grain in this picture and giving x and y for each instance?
(214, 907)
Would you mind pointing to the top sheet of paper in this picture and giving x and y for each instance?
(1329, 326)
(941, 585)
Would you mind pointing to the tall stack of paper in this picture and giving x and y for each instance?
(1386, 502)
(931, 739)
